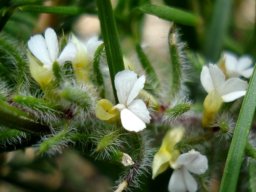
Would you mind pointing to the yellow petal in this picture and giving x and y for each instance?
(171, 138)
(105, 111)
(167, 153)
(160, 162)
(212, 105)
(42, 75)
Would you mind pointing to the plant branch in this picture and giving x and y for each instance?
(14, 118)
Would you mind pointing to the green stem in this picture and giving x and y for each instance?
(218, 29)
(110, 37)
(14, 118)
(175, 50)
(239, 140)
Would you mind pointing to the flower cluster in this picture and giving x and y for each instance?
(223, 83)
(46, 53)
(236, 67)
(219, 90)
(168, 156)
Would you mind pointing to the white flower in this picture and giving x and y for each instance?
(213, 81)
(46, 49)
(86, 49)
(181, 179)
(134, 113)
(92, 44)
(236, 67)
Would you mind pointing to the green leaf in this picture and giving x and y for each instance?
(10, 136)
(171, 14)
(34, 103)
(110, 37)
(147, 65)
(55, 142)
(61, 10)
(106, 140)
(217, 30)
(76, 96)
(239, 140)
(12, 52)
(178, 110)
(97, 77)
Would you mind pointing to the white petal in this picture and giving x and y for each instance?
(194, 162)
(131, 122)
(182, 181)
(230, 62)
(176, 183)
(52, 43)
(92, 44)
(244, 63)
(190, 182)
(218, 77)
(206, 79)
(81, 48)
(247, 73)
(137, 87)
(38, 48)
(138, 107)
(232, 89)
(124, 82)
(68, 53)
(233, 96)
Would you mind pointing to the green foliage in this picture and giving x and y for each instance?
(14, 58)
(55, 143)
(77, 96)
(142, 158)
(10, 136)
(108, 143)
(39, 108)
